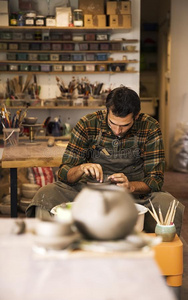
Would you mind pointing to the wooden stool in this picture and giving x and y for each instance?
(169, 257)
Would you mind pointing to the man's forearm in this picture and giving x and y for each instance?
(74, 174)
(139, 187)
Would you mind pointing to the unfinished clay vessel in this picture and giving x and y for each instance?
(104, 212)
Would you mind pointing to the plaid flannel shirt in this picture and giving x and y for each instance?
(149, 140)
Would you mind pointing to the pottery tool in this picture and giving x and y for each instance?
(154, 212)
(105, 152)
(167, 214)
(160, 216)
(174, 212)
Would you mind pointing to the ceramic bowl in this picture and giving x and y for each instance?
(5, 209)
(141, 216)
(130, 48)
(53, 229)
(30, 186)
(30, 120)
(28, 194)
(6, 199)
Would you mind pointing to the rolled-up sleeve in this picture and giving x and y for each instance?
(75, 153)
(154, 159)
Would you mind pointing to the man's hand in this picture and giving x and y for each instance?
(121, 180)
(137, 187)
(94, 170)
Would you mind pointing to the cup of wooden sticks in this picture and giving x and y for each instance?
(165, 227)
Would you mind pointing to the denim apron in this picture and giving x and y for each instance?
(127, 161)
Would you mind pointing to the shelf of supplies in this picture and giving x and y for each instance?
(54, 28)
(67, 51)
(120, 41)
(69, 62)
(66, 73)
(56, 107)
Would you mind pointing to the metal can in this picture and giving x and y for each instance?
(40, 21)
(78, 18)
(20, 19)
(50, 20)
(13, 19)
(30, 19)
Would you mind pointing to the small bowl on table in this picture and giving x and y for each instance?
(30, 120)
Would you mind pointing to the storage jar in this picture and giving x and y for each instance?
(40, 21)
(30, 18)
(78, 18)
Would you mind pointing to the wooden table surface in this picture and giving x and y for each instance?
(33, 155)
(35, 275)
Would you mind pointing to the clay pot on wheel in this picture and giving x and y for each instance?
(104, 212)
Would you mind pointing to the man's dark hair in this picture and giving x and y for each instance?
(122, 101)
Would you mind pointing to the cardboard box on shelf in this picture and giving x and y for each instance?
(63, 16)
(94, 20)
(4, 7)
(118, 7)
(4, 20)
(92, 7)
(120, 21)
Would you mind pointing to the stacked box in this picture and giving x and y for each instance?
(78, 38)
(35, 46)
(104, 46)
(68, 68)
(94, 20)
(118, 7)
(32, 56)
(83, 47)
(56, 47)
(68, 47)
(4, 16)
(3, 46)
(24, 68)
(57, 68)
(90, 56)
(119, 14)
(65, 57)
(35, 68)
(120, 21)
(22, 56)
(93, 7)
(24, 46)
(54, 57)
(77, 57)
(11, 56)
(46, 46)
(45, 68)
(78, 68)
(89, 37)
(93, 47)
(13, 46)
(43, 57)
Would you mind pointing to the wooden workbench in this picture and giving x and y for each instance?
(27, 155)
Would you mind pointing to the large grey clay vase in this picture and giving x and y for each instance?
(104, 212)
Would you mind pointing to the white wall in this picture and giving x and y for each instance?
(178, 108)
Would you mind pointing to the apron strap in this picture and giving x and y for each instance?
(99, 138)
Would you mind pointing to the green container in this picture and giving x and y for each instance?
(24, 67)
(43, 57)
(22, 56)
(34, 68)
